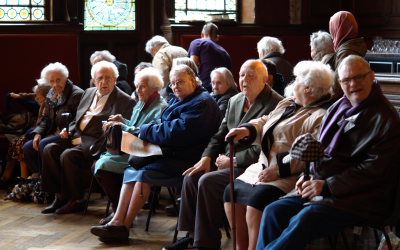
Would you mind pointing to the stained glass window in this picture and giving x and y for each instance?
(109, 15)
(22, 10)
(193, 10)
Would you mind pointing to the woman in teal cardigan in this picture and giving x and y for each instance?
(109, 169)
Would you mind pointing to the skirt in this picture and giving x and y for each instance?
(111, 163)
(166, 172)
(258, 196)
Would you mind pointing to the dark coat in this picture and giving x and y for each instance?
(246, 155)
(52, 116)
(362, 174)
(354, 46)
(186, 125)
(118, 103)
(122, 82)
(222, 100)
(283, 67)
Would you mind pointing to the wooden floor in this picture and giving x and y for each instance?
(22, 226)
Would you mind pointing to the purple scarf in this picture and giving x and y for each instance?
(343, 108)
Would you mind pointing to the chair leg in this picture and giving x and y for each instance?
(173, 201)
(90, 192)
(176, 231)
(376, 237)
(226, 224)
(332, 242)
(346, 244)
(146, 228)
(357, 232)
(108, 208)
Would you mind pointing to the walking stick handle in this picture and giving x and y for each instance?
(230, 139)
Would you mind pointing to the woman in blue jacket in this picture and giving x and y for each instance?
(185, 127)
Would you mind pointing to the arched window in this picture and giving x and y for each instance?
(22, 10)
(193, 10)
(109, 15)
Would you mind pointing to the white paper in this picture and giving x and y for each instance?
(132, 145)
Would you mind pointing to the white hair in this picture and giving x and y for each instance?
(269, 44)
(226, 74)
(289, 89)
(154, 42)
(59, 67)
(105, 54)
(183, 68)
(353, 59)
(322, 41)
(42, 86)
(154, 79)
(104, 64)
(315, 74)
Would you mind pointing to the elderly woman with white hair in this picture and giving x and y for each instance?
(271, 48)
(109, 169)
(321, 44)
(268, 179)
(63, 97)
(163, 54)
(184, 128)
(223, 87)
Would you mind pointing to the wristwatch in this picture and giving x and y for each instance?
(234, 162)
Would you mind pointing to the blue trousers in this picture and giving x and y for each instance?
(33, 158)
(287, 224)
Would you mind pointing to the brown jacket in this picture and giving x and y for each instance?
(117, 103)
(354, 46)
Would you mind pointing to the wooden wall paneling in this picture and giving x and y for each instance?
(371, 12)
(128, 54)
(319, 12)
(87, 51)
(394, 12)
(269, 12)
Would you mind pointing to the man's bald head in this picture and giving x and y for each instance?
(258, 66)
(353, 59)
(210, 31)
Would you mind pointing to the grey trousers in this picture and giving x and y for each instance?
(62, 170)
(201, 206)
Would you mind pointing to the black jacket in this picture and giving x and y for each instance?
(52, 116)
(222, 100)
(363, 173)
(282, 66)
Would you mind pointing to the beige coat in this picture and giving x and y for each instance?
(304, 120)
(162, 61)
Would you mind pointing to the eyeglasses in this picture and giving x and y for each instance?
(357, 79)
(177, 84)
(107, 79)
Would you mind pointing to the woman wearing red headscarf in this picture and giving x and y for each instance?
(344, 30)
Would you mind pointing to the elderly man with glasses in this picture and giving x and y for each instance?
(63, 168)
(356, 180)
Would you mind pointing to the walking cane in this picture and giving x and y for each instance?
(306, 172)
(67, 115)
(231, 180)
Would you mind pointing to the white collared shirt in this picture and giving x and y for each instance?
(95, 108)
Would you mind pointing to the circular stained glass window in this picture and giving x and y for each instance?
(2, 13)
(24, 13)
(37, 13)
(12, 13)
(109, 12)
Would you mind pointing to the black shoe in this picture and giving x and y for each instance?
(170, 210)
(184, 243)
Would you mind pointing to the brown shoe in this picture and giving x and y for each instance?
(108, 233)
(72, 207)
(57, 203)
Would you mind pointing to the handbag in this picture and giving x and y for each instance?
(110, 140)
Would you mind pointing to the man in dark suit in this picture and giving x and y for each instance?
(62, 168)
(204, 183)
